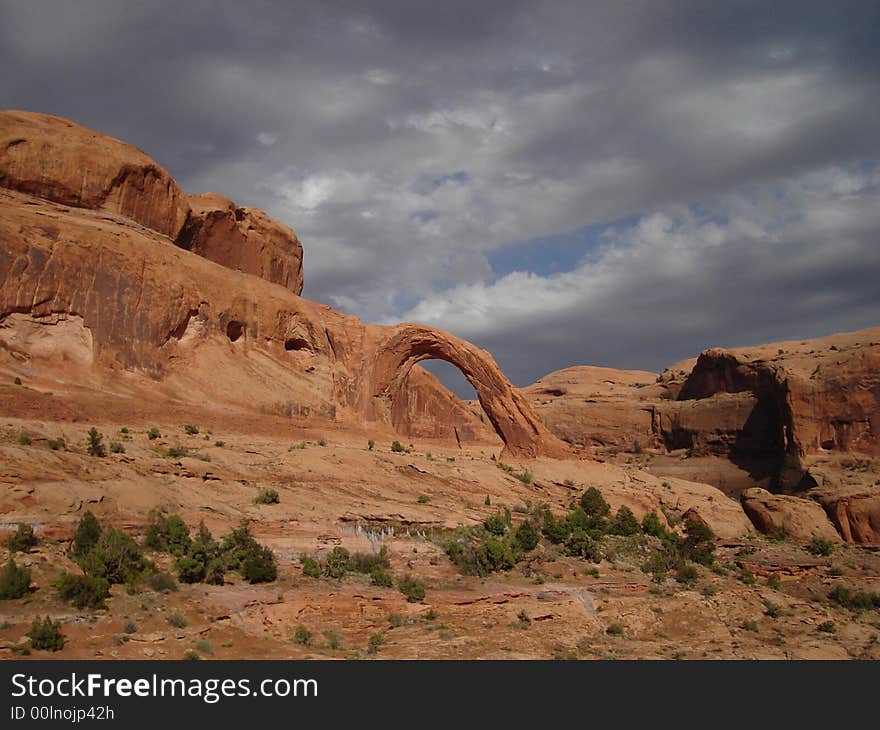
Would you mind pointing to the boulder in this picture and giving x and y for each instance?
(800, 519)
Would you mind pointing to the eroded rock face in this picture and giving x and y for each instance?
(244, 239)
(54, 159)
(799, 519)
(222, 335)
(854, 512)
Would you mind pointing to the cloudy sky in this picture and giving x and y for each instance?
(614, 183)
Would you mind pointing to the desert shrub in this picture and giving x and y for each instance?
(116, 448)
(237, 546)
(366, 562)
(371, 445)
(497, 524)
(116, 557)
(83, 591)
(580, 544)
(88, 532)
(488, 502)
(827, 627)
(177, 452)
(219, 444)
(412, 588)
(614, 630)
(311, 568)
(215, 573)
(774, 581)
(45, 635)
(23, 539)
(57, 444)
(746, 576)
(17, 380)
(381, 577)
(699, 542)
(749, 625)
(260, 567)
(95, 443)
(191, 429)
(854, 600)
(333, 639)
(169, 534)
(24, 440)
(267, 496)
(302, 636)
(594, 504)
(190, 569)
(423, 499)
(190, 655)
(376, 642)
(651, 525)
(177, 620)
(687, 574)
(820, 546)
(162, 582)
(153, 433)
(525, 476)
(15, 581)
(397, 447)
(204, 646)
(322, 441)
(556, 531)
(130, 627)
(494, 554)
(624, 523)
(337, 563)
(525, 537)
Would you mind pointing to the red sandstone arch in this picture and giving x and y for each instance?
(514, 420)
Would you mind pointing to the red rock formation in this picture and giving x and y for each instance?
(401, 347)
(54, 159)
(799, 519)
(244, 239)
(137, 303)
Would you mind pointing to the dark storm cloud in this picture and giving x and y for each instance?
(407, 141)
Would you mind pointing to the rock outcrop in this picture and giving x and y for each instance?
(244, 239)
(797, 518)
(54, 159)
(105, 265)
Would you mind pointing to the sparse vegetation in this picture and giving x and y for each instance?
(397, 447)
(162, 582)
(302, 636)
(423, 499)
(412, 588)
(371, 445)
(377, 640)
(311, 568)
(116, 448)
(267, 496)
(191, 429)
(88, 532)
(57, 444)
(45, 635)
(177, 452)
(820, 546)
(95, 443)
(83, 591)
(614, 630)
(15, 581)
(178, 620)
(24, 440)
(153, 433)
(854, 600)
(116, 557)
(23, 539)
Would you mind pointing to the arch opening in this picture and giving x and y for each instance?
(506, 409)
(235, 330)
(294, 344)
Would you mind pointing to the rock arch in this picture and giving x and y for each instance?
(523, 433)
